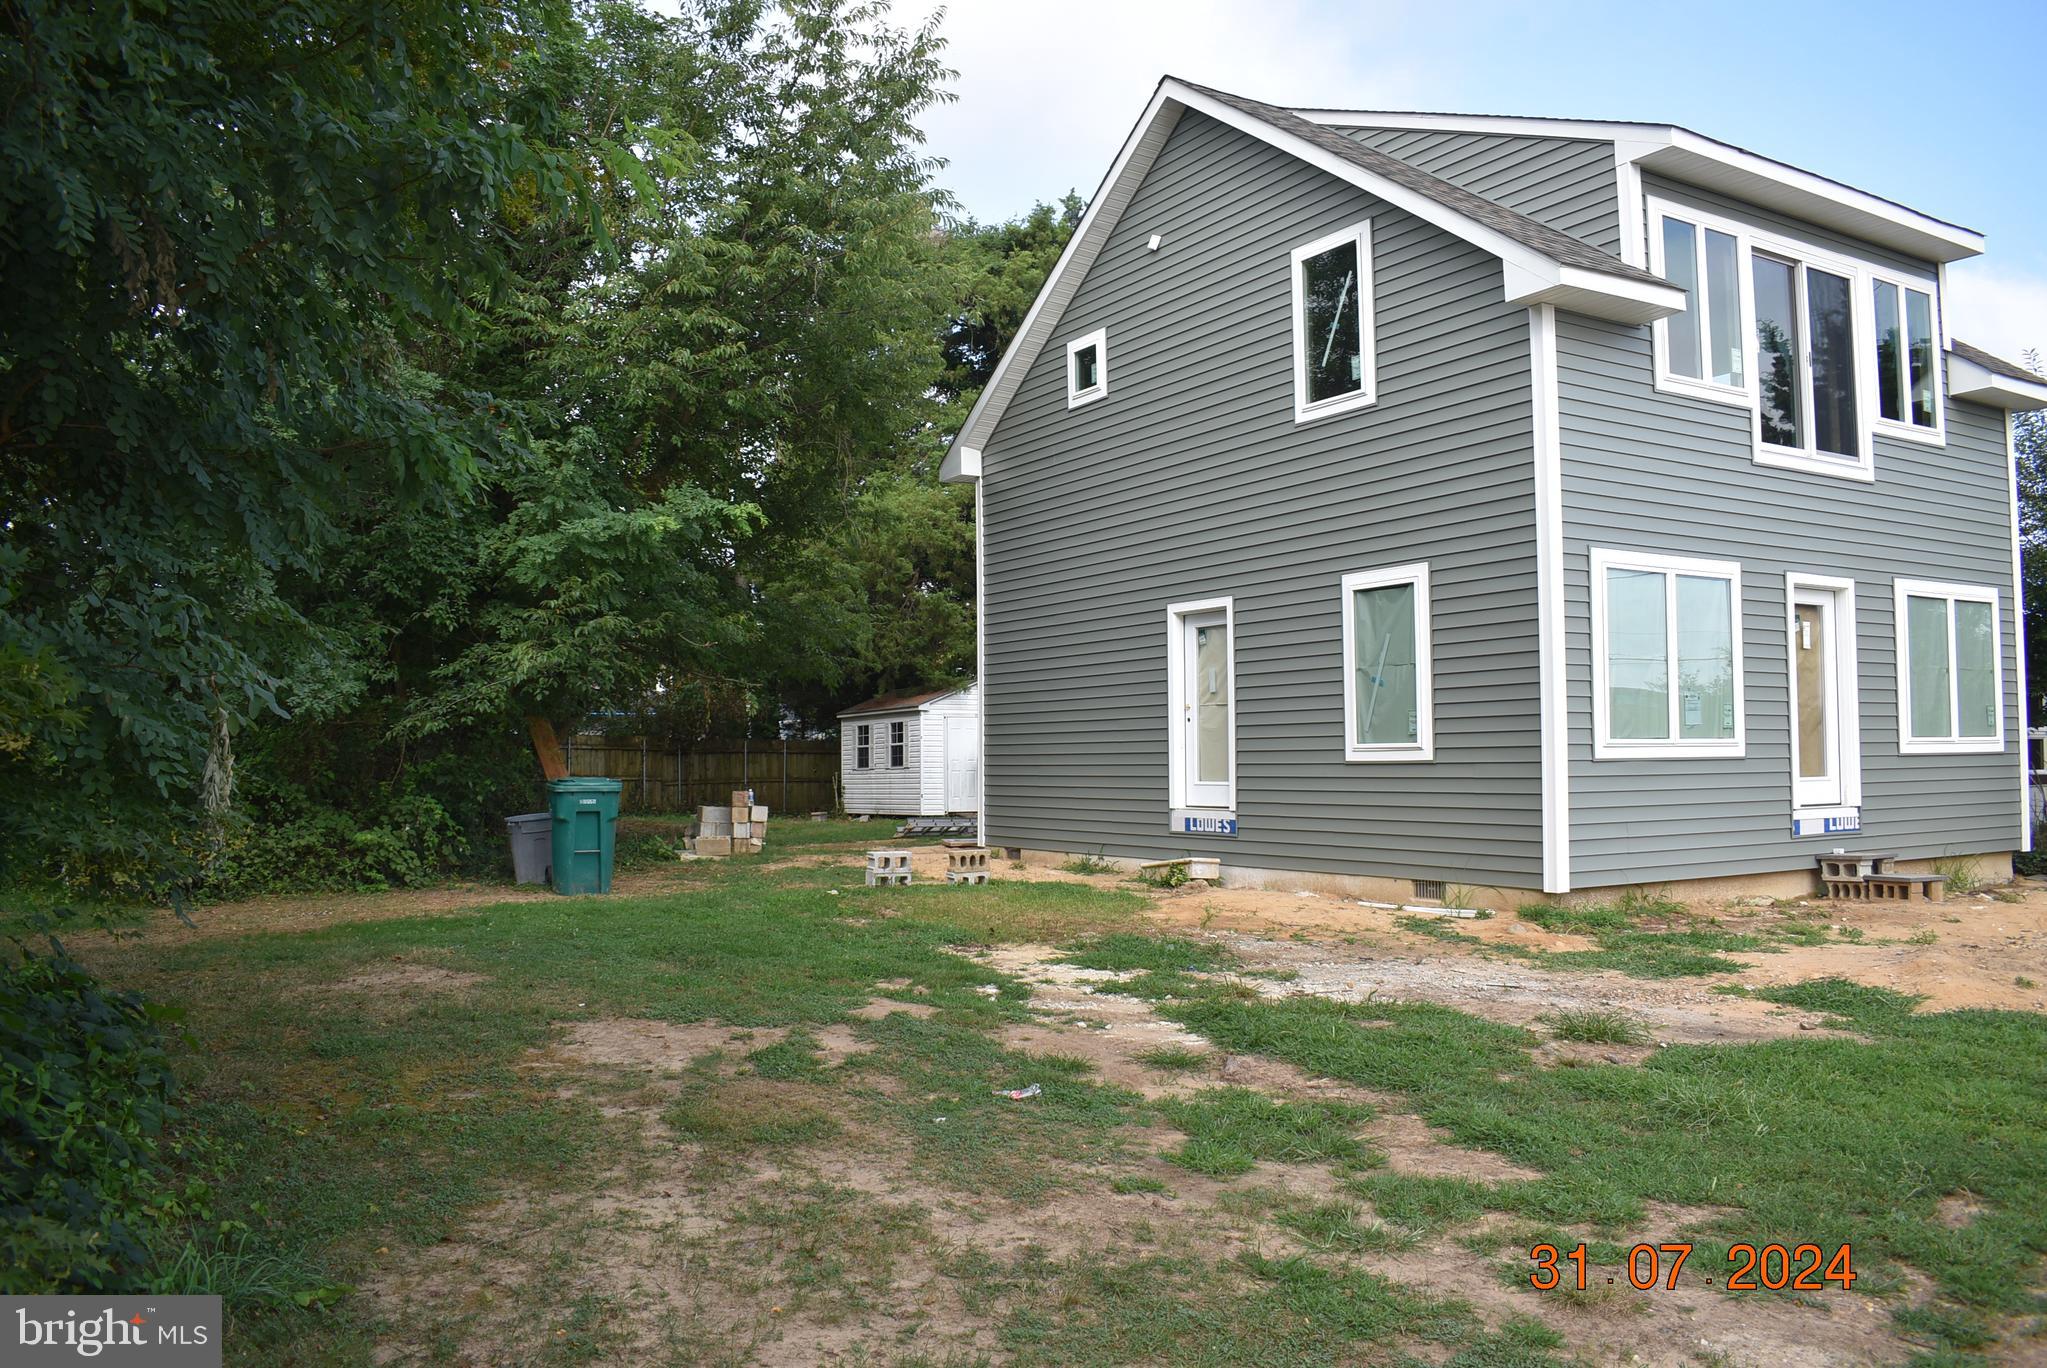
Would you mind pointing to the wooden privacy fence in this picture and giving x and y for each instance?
(788, 776)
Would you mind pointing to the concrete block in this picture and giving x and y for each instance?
(750, 847)
(714, 828)
(708, 813)
(714, 845)
(742, 798)
(760, 812)
(742, 830)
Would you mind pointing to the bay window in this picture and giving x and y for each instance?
(1666, 656)
(1950, 668)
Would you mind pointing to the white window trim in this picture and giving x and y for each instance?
(1368, 369)
(1604, 747)
(1424, 747)
(1176, 653)
(1740, 396)
(1849, 723)
(863, 746)
(894, 745)
(1860, 274)
(1099, 340)
(1906, 431)
(1909, 744)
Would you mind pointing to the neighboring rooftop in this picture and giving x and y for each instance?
(905, 702)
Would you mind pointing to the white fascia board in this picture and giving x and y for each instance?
(1978, 385)
(962, 465)
(1576, 290)
(1111, 197)
(1700, 160)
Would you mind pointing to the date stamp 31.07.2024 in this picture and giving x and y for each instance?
(1751, 1268)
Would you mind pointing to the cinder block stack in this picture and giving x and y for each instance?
(887, 867)
(967, 865)
(739, 828)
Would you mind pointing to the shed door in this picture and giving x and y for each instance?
(962, 764)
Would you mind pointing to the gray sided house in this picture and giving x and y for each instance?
(1506, 502)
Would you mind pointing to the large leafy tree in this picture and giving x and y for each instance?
(221, 226)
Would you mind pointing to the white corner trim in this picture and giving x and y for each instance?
(981, 641)
(1909, 744)
(1367, 392)
(1176, 655)
(1627, 178)
(1673, 747)
(1847, 684)
(2018, 623)
(1979, 385)
(1554, 719)
(1423, 747)
(1099, 340)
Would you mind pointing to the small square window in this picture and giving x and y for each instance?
(1087, 368)
(896, 731)
(863, 747)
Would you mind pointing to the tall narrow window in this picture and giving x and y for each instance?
(1904, 357)
(897, 744)
(1830, 313)
(1950, 668)
(1387, 687)
(1705, 342)
(1667, 655)
(1087, 368)
(863, 746)
(1332, 284)
(1777, 350)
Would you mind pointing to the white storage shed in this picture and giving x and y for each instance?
(913, 754)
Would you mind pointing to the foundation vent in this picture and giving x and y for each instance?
(1428, 888)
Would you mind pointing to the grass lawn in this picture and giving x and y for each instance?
(375, 1092)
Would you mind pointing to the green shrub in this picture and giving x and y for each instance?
(85, 1088)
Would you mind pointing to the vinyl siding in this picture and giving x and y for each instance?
(934, 742)
(880, 790)
(1567, 183)
(1664, 473)
(1191, 480)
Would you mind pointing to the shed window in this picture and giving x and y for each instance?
(1087, 368)
(1387, 686)
(1668, 656)
(1950, 693)
(896, 732)
(863, 746)
(1332, 284)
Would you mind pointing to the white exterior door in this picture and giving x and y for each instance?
(1816, 703)
(962, 764)
(1206, 759)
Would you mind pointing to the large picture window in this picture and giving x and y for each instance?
(1332, 285)
(1666, 656)
(1950, 668)
(1387, 687)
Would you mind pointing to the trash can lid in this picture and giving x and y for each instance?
(584, 785)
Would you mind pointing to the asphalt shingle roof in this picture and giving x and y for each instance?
(1996, 365)
(1516, 227)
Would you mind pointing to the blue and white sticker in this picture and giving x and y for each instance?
(1205, 823)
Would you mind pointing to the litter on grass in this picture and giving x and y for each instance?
(1019, 1094)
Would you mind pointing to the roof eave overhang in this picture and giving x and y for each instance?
(1981, 385)
(1695, 159)
(1529, 277)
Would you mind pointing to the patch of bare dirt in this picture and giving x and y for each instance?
(877, 1008)
(662, 1046)
(401, 979)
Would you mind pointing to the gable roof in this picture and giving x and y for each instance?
(1539, 265)
(1509, 223)
(1682, 154)
(907, 701)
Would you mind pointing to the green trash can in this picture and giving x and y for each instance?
(585, 813)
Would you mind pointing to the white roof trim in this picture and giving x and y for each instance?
(1980, 385)
(1528, 276)
(1698, 160)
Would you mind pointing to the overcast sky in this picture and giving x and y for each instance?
(1928, 104)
